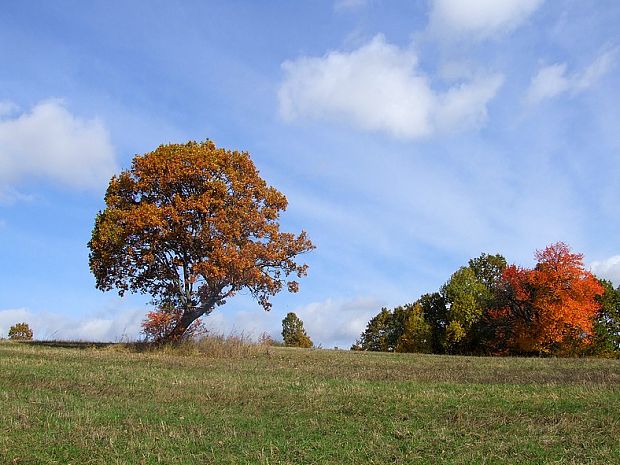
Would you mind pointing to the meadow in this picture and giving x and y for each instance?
(117, 404)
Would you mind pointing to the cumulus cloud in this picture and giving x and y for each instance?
(329, 323)
(479, 19)
(379, 87)
(48, 142)
(115, 326)
(608, 269)
(553, 80)
(337, 322)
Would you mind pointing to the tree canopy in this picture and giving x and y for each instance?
(490, 307)
(191, 225)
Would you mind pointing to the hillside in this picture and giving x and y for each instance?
(112, 405)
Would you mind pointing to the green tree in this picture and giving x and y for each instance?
(397, 324)
(192, 225)
(455, 336)
(606, 340)
(416, 333)
(489, 269)
(466, 297)
(400, 329)
(436, 315)
(20, 332)
(376, 336)
(293, 332)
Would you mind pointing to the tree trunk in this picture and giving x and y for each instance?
(188, 317)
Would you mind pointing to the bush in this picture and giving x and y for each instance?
(20, 332)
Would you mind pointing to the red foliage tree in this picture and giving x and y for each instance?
(549, 308)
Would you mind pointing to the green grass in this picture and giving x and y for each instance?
(110, 405)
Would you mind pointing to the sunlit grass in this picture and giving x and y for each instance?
(249, 403)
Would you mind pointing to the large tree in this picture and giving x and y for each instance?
(551, 308)
(191, 225)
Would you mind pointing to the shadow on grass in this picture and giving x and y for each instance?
(215, 346)
(70, 344)
(210, 344)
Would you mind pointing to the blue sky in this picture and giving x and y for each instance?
(407, 136)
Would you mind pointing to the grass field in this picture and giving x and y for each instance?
(111, 405)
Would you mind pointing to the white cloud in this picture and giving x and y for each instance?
(337, 322)
(608, 269)
(479, 19)
(329, 323)
(48, 142)
(549, 82)
(378, 87)
(12, 316)
(599, 67)
(115, 326)
(464, 105)
(552, 80)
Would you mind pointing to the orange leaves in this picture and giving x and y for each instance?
(159, 323)
(553, 304)
(517, 278)
(192, 224)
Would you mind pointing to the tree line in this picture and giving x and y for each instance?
(491, 308)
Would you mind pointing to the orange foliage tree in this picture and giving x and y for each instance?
(191, 225)
(550, 307)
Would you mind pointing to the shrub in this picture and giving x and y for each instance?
(20, 332)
